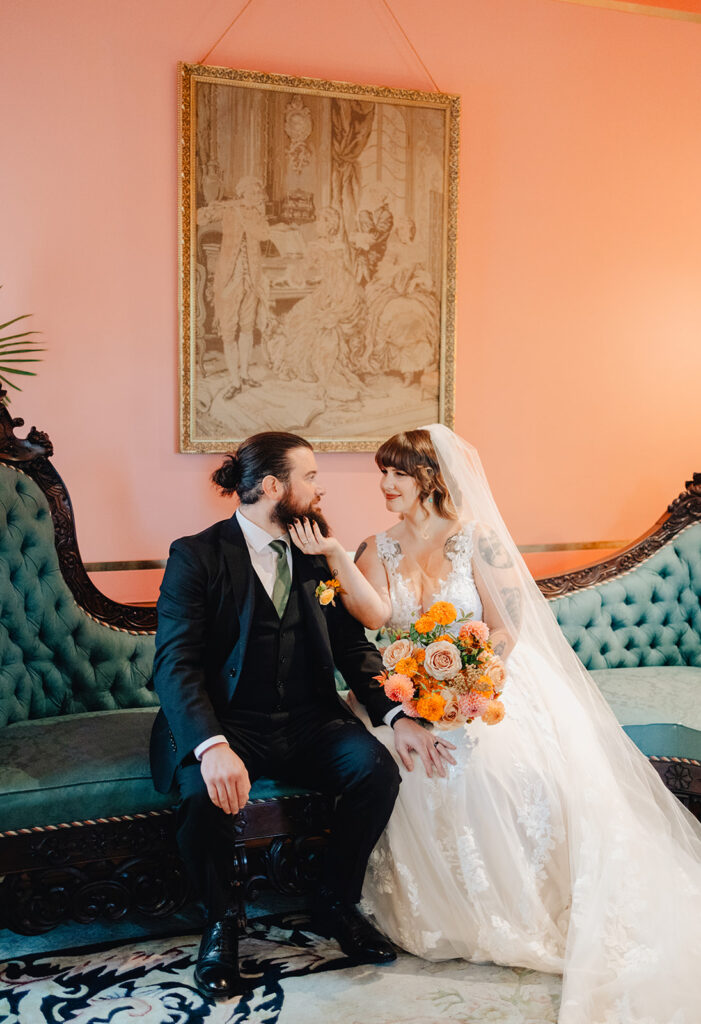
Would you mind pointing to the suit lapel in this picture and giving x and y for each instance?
(238, 564)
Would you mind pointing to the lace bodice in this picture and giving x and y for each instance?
(458, 586)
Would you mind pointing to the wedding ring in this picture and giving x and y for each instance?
(436, 742)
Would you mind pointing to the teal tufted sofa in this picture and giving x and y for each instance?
(635, 622)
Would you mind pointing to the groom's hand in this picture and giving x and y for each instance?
(410, 736)
(226, 778)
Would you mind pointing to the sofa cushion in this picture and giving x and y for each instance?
(660, 708)
(54, 658)
(648, 616)
(86, 766)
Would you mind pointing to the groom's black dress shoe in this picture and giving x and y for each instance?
(358, 939)
(217, 968)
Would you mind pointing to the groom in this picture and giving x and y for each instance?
(244, 669)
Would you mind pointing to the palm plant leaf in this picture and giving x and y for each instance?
(12, 351)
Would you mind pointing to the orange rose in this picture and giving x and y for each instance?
(424, 624)
(442, 612)
(327, 596)
(430, 707)
(493, 713)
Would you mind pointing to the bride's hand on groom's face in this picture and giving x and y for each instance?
(308, 538)
(434, 751)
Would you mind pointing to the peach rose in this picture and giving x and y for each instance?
(399, 688)
(496, 671)
(452, 716)
(442, 660)
(327, 596)
(396, 651)
(493, 713)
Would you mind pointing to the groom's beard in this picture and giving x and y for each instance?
(286, 511)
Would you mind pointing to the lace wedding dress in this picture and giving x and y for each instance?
(498, 862)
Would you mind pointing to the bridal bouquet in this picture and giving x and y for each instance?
(447, 679)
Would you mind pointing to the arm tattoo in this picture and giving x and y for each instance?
(493, 551)
(360, 551)
(500, 647)
(513, 601)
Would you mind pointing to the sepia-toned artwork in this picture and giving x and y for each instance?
(317, 259)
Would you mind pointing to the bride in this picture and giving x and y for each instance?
(550, 843)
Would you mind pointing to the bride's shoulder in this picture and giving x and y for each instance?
(377, 548)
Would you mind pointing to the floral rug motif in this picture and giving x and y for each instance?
(295, 978)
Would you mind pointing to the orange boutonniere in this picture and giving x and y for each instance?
(327, 590)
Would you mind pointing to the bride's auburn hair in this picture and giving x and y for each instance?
(412, 452)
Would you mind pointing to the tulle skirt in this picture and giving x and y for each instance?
(531, 853)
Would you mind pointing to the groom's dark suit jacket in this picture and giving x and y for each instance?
(204, 619)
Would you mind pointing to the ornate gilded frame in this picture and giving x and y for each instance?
(380, 399)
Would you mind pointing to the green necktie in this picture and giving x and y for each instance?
(283, 579)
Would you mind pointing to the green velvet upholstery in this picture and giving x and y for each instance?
(640, 636)
(55, 659)
(660, 708)
(85, 766)
(649, 616)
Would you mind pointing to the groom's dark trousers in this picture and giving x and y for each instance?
(227, 664)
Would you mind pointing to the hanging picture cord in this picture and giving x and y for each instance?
(227, 30)
(384, 4)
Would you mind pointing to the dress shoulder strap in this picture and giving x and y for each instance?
(389, 551)
(459, 548)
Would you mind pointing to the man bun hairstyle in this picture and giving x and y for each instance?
(412, 452)
(261, 455)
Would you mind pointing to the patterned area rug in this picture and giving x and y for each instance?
(295, 978)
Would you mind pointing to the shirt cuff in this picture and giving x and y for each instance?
(206, 744)
(391, 715)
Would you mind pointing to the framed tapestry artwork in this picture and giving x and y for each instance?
(317, 259)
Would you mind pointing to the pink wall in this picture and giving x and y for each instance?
(579, 264)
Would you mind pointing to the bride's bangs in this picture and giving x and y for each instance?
(401, 452)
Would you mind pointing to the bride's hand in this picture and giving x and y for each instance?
(309, 539)
(410, 736)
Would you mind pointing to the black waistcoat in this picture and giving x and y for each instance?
(277, 671)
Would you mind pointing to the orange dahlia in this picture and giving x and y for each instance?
(430, 707)
(493, 713)
(442, 612)
(407, 666)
